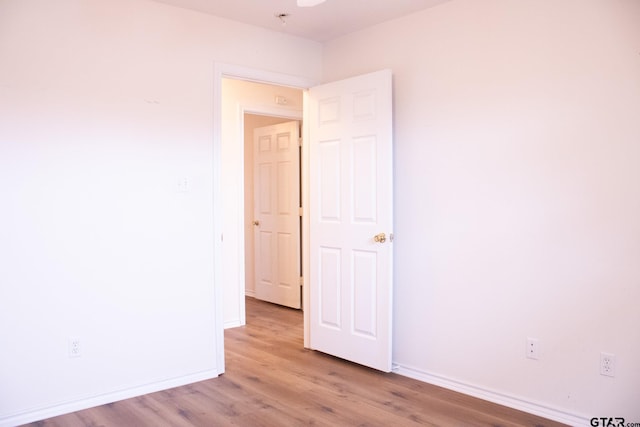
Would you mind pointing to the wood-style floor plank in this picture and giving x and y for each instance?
(271, 380)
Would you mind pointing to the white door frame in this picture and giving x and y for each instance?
(221, 70)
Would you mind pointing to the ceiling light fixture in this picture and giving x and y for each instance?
(309, 3)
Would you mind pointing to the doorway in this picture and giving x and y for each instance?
(244, 105)
(365, 128)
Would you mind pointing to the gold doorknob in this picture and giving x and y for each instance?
(256, 223)
(380, 238)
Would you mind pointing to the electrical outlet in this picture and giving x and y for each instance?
(74, 347)
(533, 348)
(608, 364)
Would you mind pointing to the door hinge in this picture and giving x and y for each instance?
(301, 281)
(299, 142)
(300, 212)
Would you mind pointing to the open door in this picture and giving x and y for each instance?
(350, 219)
(277, 213)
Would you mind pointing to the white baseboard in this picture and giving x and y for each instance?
(493, 396)
(232, 323)
(42, 413)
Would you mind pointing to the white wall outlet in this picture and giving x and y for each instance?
(608, 364)
(74, 347)
(533, 348)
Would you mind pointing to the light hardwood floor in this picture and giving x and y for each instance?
(270, 380)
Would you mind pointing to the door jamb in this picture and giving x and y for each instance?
(221, 70)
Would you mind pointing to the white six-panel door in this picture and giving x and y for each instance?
(277, 213)
(350, 219)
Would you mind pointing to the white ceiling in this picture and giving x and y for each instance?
(321, 23)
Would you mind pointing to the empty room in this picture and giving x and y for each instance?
(464, 189)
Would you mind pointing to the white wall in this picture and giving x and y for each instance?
(240, 96)
(106, 107)
(517, 207)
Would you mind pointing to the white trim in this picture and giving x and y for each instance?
(217, 218)
(306, 248)
(242, 318)
(43, 412)
(221, 70)
(268, 110)
(513, 402)
(261, 76)
(233, 324)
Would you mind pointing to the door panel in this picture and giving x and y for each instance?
(351, 202)
(330, 190)
(364, 180)
(329, 288)
(364, 312)
(277, 214)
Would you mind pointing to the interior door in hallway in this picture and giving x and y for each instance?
(277, 213)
